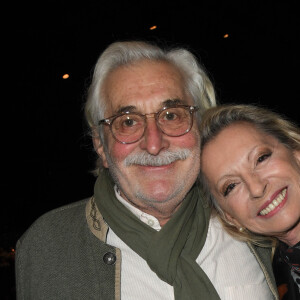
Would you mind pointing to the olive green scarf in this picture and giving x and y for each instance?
(171, 252)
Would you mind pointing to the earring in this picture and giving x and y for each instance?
(241, 229)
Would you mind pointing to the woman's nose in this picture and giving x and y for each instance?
(257, 186)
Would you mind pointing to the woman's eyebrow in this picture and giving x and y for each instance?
(253, 150)
(222, 178)
(225, 176)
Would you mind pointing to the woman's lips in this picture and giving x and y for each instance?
(277, 201)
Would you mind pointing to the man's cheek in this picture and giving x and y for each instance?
(119, 151)
(190, 140)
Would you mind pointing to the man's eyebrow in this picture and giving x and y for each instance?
(129, 108)
(166, 103)
(173, 102)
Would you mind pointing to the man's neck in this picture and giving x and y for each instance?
(162, 216)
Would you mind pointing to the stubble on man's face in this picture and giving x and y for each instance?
(160, 189)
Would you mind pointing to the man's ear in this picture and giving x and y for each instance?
(98, 146)
(231, 220)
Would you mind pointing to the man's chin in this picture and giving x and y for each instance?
(159, 193)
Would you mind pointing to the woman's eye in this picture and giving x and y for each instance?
(263, 157)
(228, 189)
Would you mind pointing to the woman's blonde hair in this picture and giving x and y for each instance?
(271, 123)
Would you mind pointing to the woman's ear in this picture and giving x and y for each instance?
(296, 154)
(98, 146)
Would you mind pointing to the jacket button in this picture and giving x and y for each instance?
(109, 258)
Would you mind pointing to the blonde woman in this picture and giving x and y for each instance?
(250, 169)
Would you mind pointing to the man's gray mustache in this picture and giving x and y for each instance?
(164, 158)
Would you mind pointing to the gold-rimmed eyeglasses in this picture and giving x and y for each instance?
(129, 127)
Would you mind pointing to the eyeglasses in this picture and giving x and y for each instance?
(129, 127)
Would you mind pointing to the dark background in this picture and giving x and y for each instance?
(47, 154)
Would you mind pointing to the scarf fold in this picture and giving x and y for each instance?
(171, 252)
(291, 256)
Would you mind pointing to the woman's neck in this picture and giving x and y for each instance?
(292, 237)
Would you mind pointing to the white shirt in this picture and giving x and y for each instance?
(229, 264)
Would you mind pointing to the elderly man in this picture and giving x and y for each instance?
(146, 233)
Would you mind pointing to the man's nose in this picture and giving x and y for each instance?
(257, 186)
(153, 141)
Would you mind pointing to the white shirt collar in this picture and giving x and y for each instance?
(144, 217)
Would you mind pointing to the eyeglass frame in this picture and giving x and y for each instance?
(109, 121)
